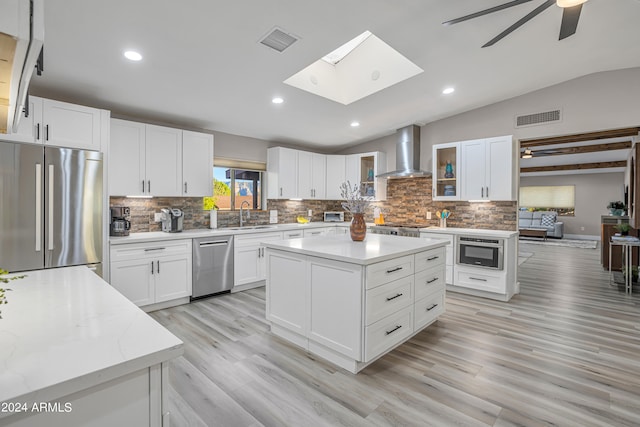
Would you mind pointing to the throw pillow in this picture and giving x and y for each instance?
(548, 220)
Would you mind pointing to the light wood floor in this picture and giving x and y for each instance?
(565, 352)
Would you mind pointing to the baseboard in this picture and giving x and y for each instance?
(581, 237)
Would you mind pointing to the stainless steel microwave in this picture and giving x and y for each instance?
(480, 252)
(333, 216)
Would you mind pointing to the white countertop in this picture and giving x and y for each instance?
(471, 231)
(66, 329)
(375, 247)
(154, 236)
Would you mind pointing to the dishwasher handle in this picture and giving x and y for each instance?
(213, 243)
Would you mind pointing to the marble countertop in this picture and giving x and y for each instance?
(154, 236)
(375, 248)
(471, 231)
(66, 330)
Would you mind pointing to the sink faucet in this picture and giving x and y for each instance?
(241, 210)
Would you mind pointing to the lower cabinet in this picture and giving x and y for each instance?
(350, 314)
(249, 257)
(150, 273)
(449, 251)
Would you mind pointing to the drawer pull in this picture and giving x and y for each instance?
(432, 258)
(393, 330)
(390, 298)
(393, 270)
(476, 278)
(432, 280)
(432, 307)
(151, 267)
(154, 249)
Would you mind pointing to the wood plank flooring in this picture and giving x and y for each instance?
(565, 352)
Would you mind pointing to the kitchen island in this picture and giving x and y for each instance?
(76, 352)
(352, 302)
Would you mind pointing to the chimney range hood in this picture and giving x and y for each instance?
(407, 154)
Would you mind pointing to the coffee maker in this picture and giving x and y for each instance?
(172, 220)
(120, 224)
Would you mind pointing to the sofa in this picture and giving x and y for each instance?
(545, 220)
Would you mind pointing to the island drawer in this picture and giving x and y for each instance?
(388, 299)
(387, 271)
(386, 333)
(428, 309)
(150, 249)
(429, 259)
(482, 279)
(429, 281)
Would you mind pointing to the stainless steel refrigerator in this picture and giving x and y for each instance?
(50, 207)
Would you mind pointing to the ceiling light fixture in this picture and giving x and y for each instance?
(277, 100)
(527, 154)
(132, 55)
(355, 124)
(448, 90)
(569, 3)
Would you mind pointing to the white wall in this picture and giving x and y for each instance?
(593, 193)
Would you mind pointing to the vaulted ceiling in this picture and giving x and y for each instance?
(203, 65)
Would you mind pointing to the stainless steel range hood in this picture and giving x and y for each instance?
(407, 155)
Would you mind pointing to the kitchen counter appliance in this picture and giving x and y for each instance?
(394, 229)
(212, 266)
(51, 207)
(334, 217)
(120, 224)
(480, 252)
(172, 220)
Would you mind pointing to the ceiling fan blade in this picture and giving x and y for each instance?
(520, 22)
(486, 12)
(570, 17)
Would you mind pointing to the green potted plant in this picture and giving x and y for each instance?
(623, 228)
(616, 208)
(3, 279)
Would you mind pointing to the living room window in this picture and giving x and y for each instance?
(559, 198)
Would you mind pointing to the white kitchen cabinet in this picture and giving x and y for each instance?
(197, 164)
(59, 123)
(311, 175)
(249, 257)
(127, 174)
(446, 162)
(282, 173)
(151, 273)
(318, 232)
(287, 299)
(363, 168)
(163, 160)
(488, 169)
(335, 176)
(449, 251)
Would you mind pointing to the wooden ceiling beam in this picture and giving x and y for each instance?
(625, 145)
(577, 166)
(580, 137)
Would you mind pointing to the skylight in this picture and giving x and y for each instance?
(338, 55)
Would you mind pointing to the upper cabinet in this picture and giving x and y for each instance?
(446, 160)
(479, 169)
(60, 124)
(304, 175)
(312, 170)
(489, 170)
(149, 160)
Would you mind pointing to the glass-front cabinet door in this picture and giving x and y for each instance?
(446, 162)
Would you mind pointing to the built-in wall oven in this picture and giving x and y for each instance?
(480, 252)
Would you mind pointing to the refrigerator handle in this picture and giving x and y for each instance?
(50, 213)
(38, 207)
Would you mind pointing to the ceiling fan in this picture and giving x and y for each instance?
(570, 16)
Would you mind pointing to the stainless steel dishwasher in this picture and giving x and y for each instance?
(212, 265)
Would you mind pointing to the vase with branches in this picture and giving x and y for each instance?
(357, 204)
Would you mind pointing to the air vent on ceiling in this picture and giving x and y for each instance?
(538, 118)
(278, 40)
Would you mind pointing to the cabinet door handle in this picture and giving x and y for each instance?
(432, 280)
(158, 266)
(487, 191)
(393, 330)
(280, 191)
(481, 191)
(259, 253)
(185, 187)
(46, 133)
(37, 131)
(476, 278)
(394, 297)
(432, 307)
(393, 270)
(149, 186)
(143, 185)
(432, 258)
(151, 267)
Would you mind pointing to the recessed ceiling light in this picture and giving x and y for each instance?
(448, 90)
(355, 124)
(277, 100)
(132, 55)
